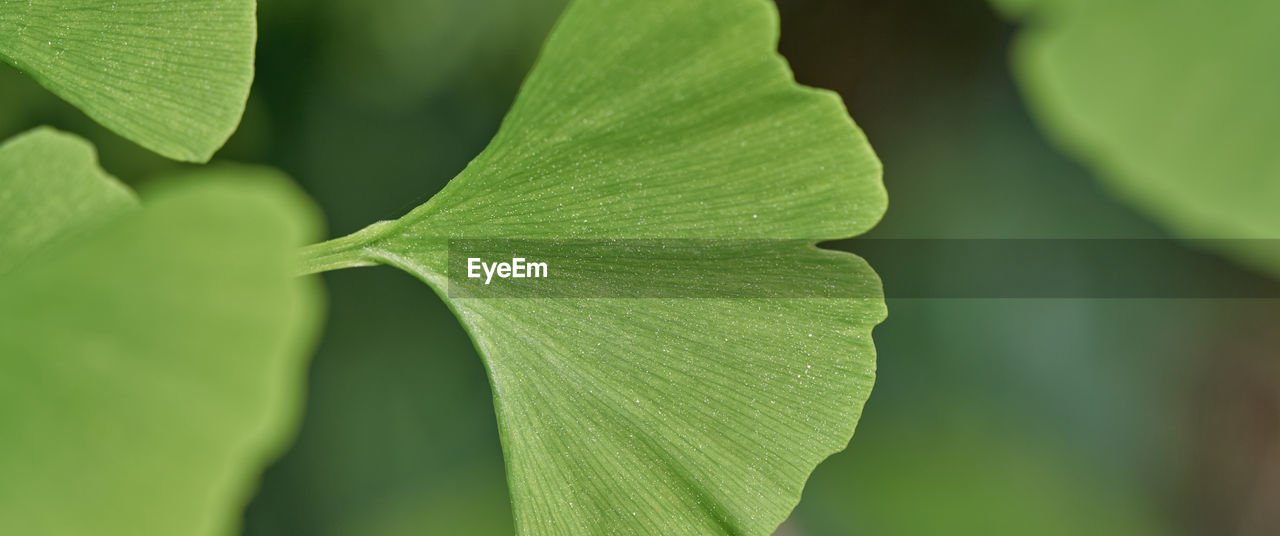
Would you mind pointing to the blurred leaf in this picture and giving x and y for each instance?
(151, 364)
(171, 76)
(661, 120)
(1172, 101)
(52, 188)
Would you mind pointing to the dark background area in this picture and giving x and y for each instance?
(990, 417)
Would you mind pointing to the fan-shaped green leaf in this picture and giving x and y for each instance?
(171, 76)
(151, 358)
(1171, 101)
(661, 414)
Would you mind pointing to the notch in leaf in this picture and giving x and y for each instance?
(657, 120)
(171, 76)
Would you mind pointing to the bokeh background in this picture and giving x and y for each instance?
(989, 417)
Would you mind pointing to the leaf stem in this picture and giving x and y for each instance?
(349, 251)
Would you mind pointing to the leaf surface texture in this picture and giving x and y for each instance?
(662, 415)
(172, 76)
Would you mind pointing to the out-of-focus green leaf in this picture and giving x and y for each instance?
(52, 187)
(151, 359)
(171, 76)
(665, 119)
(1173, 102)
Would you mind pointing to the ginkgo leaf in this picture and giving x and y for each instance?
(52, 187)
(171, 76)
(639, 413)
(151, 357)
(1172, 102)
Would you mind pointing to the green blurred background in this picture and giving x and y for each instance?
(989, 417)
